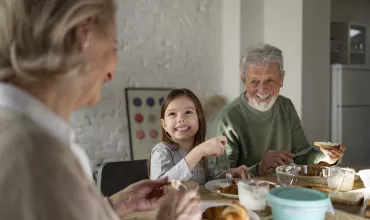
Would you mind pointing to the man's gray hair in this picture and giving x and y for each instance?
(261, 54)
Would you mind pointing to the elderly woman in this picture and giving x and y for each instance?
(54, 57)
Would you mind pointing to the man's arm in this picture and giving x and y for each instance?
(222, 126)
(299, 141)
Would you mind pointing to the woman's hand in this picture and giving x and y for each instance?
(140, 196)
(180, 206)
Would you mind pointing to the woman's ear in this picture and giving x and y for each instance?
(83, 32)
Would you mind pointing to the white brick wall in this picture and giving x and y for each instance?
(164, 43)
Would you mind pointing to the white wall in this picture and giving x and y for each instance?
(230, 52)
(164, 43)
(251, 26)
(316, 70)
(283, 27)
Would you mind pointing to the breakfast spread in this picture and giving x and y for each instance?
(235, 211)
(347, 198)
(311, 170)
(233, 189)
(319, 187)
(367, 208)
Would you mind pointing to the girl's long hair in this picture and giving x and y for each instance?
(201, 133)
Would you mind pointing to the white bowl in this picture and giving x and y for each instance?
(365, 177)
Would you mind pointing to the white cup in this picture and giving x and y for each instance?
(253, 194)
(365, 177)
(349, 179)
(341, 179)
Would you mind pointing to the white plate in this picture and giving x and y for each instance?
(211, 185)
(205, 205)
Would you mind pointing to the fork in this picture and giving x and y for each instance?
(229, 176)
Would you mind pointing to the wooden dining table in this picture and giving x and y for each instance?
(342, 212)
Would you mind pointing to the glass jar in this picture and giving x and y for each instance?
(253, 194)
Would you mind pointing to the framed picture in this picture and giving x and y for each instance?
(143, 115)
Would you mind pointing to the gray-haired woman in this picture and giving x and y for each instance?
(54, 57)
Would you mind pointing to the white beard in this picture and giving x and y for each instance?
(262, 106)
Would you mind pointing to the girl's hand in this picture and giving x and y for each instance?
(213, 147)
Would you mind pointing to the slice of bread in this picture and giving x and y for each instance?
(328, 145)
(347, 198)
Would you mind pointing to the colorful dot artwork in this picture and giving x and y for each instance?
(153, 133)
(161, 100)
(140, 134)
(137, 102)
(152, 118)
(139, 118)
(144, 106)
(150, 102)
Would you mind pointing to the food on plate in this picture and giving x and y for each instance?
(271, 186)
(233, 189)
(327, 145)
(367, 208)
(235, 211)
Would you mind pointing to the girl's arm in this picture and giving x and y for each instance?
(162, 164)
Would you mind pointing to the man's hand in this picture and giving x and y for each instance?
(239, 172)
(140, 196)
(273, 159)
(334, 154)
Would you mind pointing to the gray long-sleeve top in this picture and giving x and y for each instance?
(167, 160)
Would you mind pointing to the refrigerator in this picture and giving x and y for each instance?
(350, 111)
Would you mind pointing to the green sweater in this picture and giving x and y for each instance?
(251, 133)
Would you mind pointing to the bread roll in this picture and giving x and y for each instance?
(235, 211)
(367, 208)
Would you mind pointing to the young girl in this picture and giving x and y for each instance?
(182, 154)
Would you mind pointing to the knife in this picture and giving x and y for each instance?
(303, 151)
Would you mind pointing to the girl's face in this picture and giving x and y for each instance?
(180, 120)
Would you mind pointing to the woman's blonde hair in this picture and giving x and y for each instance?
(38, 39)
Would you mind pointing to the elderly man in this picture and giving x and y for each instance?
(262, 127)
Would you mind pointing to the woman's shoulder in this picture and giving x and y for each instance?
(19, 135)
